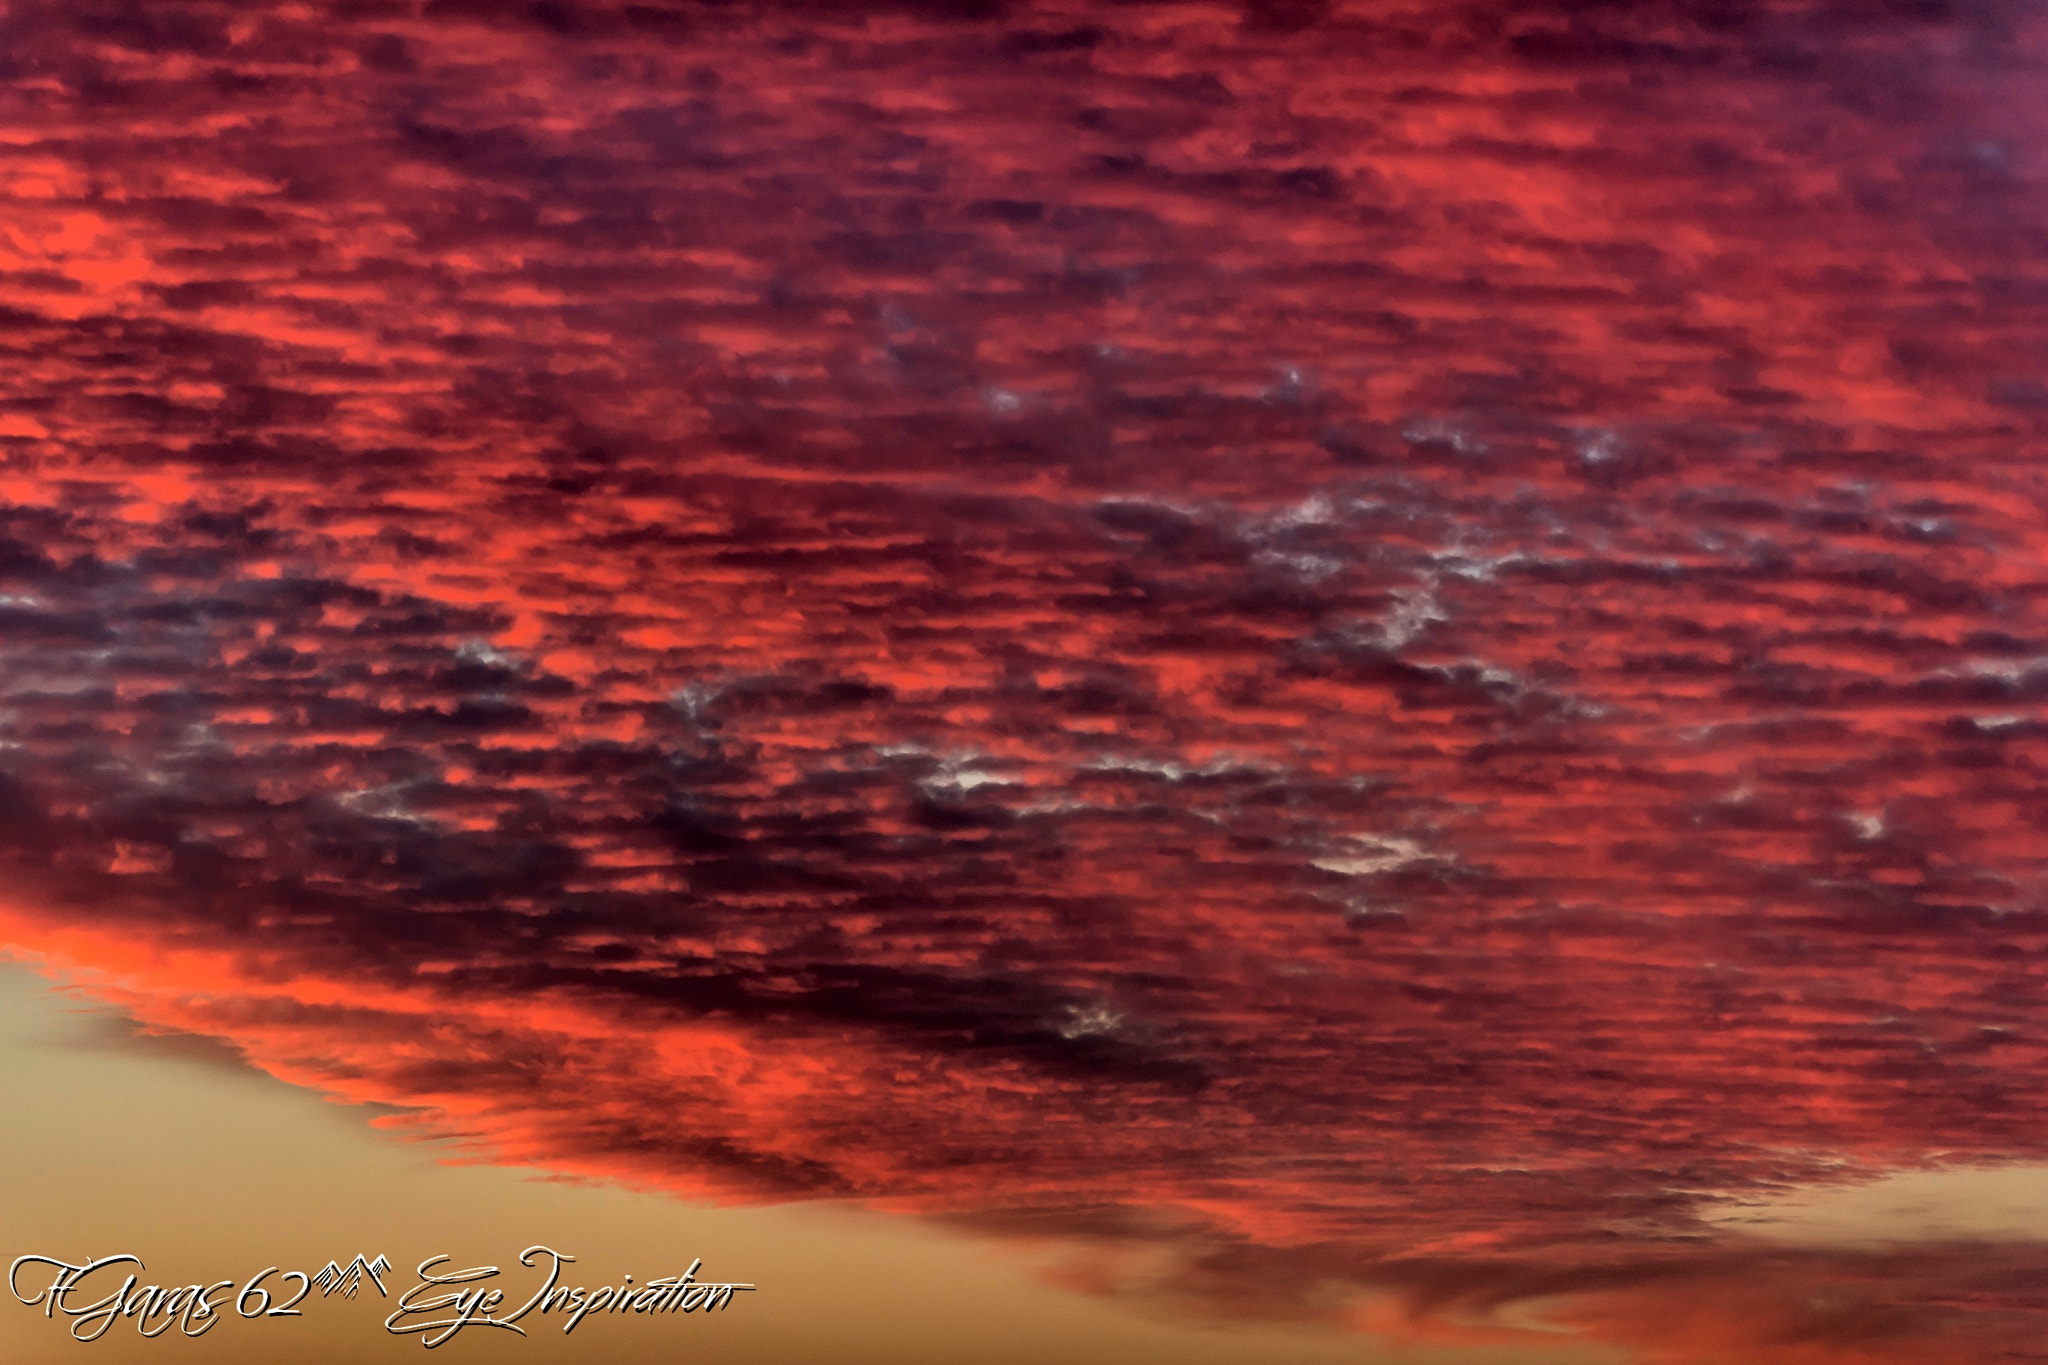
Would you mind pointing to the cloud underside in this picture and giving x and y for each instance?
(1386, 648)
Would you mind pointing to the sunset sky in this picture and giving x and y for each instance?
(1297, 680)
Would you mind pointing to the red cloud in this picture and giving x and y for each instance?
(1416, 631)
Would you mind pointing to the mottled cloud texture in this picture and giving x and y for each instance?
(1359, 645)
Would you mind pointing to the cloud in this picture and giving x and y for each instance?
(1417, 629)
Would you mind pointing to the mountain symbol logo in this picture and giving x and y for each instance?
(333, 1277)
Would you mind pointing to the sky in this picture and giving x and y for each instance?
(1361, 673)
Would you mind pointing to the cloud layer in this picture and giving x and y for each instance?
(1414, 631)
